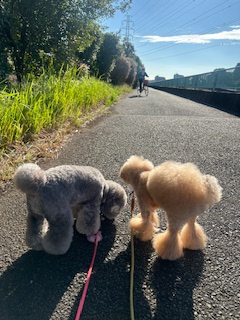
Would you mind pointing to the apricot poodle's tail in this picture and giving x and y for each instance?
(213, 189)
(29, 177)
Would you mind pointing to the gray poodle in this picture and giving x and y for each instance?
(57, 195)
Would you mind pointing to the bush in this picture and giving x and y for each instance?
(133, 72)
(121, 71)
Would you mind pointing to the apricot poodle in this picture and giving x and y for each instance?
(182, 191)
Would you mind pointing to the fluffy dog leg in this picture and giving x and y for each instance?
(36, 228)
(193, 236)
(37, 225)
(142, 228)
(168, 245)
(58, 238)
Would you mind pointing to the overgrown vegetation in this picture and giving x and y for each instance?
(49, 101)
(36, 34)
(42, 106)
(70, 32)
(87, 69)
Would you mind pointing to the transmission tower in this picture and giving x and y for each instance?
(128, 26)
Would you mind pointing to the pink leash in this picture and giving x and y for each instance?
(98, 238)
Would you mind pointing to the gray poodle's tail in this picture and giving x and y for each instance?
(213, 188)
(29, 177)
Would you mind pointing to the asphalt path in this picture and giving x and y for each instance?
(201, 285)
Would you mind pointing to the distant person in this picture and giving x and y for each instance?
(141, 77)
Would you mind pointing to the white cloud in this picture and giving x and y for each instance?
(196, 38)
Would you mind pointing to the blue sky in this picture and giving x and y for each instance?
(187, 37)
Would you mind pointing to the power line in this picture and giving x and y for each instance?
(202, 33)
(145, 10)
(177, 17)
(183, 53)
(162, 9)
(189, 23)
(214, 12)
(171, 14)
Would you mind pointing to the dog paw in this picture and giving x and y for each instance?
(193, 237)
(142, 229)
(167, 246)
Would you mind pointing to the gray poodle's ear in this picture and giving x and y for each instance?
(114, 199)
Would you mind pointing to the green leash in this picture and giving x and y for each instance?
(132, 266)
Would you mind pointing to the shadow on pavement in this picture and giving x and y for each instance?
(35, 283)
(137, 96)
(170, 283)
(173, 283)
(112, 282)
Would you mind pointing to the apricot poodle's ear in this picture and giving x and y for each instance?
(136, 164)
(140, 163)
(133, 167)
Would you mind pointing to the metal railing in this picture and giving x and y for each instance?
(221, 79)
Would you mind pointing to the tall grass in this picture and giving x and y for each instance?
(48, 101)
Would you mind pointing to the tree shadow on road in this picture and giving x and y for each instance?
(173, 283)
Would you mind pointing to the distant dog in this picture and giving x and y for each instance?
(182, 191)
(52, 197)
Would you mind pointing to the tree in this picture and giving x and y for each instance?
(88, 55)
(4, 66)
(109, 51)
(128, 49)
(56, 27)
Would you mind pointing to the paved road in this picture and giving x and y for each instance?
(202, 285)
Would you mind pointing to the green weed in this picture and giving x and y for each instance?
(48, 101)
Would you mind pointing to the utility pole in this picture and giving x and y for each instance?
(128, 26)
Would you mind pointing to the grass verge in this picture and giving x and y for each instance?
(38, 118)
